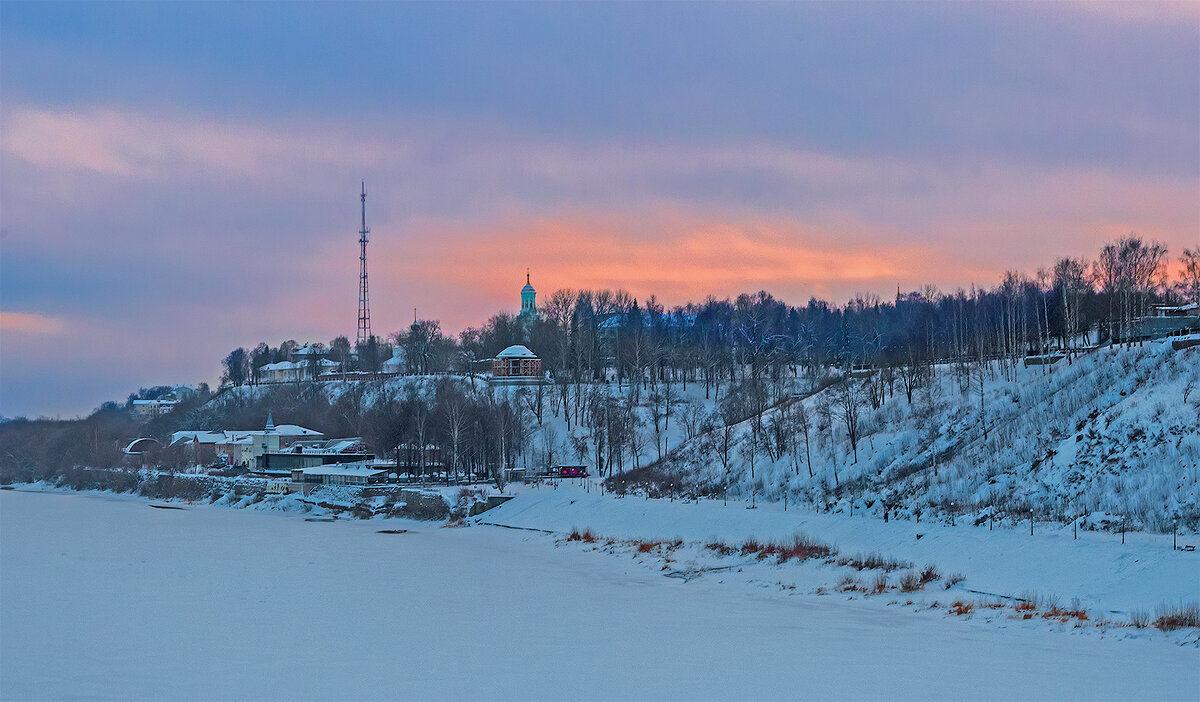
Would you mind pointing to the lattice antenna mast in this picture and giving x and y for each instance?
(364, 306)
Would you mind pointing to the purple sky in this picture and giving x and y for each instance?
(179, 179)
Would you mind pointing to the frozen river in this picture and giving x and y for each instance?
(107, 598)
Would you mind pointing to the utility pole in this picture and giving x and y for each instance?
(364, 307)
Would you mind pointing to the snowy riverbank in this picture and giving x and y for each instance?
(1097, 567)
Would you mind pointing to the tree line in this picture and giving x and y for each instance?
(586, 336)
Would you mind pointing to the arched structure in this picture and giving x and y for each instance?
(139, 446)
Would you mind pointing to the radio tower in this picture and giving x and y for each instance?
(364, 307)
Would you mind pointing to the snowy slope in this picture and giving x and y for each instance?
(1106, 438)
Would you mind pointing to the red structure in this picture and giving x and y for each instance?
(517, 362)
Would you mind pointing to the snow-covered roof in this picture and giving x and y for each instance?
(296, 365)
(165, 403)
(238, 439)
(343, 469)
(527, 288)
(309, 350)
(197, 437)
(296, 430)
(281, 430)
(516, 351)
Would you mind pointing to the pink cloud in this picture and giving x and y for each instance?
(133, 144)
(27, 323)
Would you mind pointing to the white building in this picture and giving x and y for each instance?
(147, 409)
(244, 447)
(395, 364)
(295, 371)
(341, 474)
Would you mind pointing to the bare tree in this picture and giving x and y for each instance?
(848, 407)
(1071, 280)
(1189, 279)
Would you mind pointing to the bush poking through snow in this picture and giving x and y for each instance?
(929, 574)
(954, 580)
(1177, 617)
(750, 546)
(1139, 618)
(801, 547)
(911, 582)
(873, 561)
(880, 584)
(849, 583)
(961, 608)
(720, 548)
(585, 536)
(1055, 612)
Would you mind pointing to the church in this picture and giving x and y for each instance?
(517, 364)
(528, 299)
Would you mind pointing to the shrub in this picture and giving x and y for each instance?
(873, 561)
(954, 580)
(850, 583)
(911, 582)
(880, 584)
(960, 608)
(1139, 618)
(802, 548)
(1064, 614)
(929, 574)
(585, 536)
(720, 548)
(1177, 617)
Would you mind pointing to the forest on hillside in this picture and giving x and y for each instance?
(693, 397)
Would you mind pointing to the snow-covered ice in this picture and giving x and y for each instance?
(106, 598)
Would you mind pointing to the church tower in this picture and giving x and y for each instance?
(528, 298)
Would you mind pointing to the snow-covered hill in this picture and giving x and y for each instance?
(1111, 440)
(1114, 435)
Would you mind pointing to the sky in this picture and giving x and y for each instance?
(179, 179)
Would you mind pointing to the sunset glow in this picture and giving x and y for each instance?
(156, 187)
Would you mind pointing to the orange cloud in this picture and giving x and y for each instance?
(460, 273)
